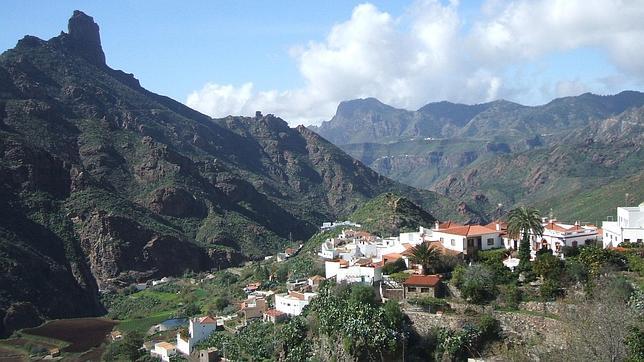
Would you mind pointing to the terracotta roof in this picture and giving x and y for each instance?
(274, 313)
(165, 345)
(555, 227)
(207, 320)
(407, 246)
(297, 295)
(317, 277)
(438, 245)
(600, 231)
(290, 251)
(423, 280)
(392, 257)
(471, 230)
(502, 224)
(448, 224)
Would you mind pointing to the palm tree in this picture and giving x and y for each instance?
(522, 222)
(425, 256)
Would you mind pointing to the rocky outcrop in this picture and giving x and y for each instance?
(172, 201)
(84, 39)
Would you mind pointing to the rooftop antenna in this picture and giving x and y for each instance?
(626, 199)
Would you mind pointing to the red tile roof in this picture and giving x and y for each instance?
(207, 320)
(448, 224)
(423, 280)
(471, 230)
(274, 313)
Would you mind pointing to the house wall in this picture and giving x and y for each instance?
(199, 331)
(497, 241)
(459, 241)
(359, 274)
(419, 291)
(183, 346)
(331, 269)
(290, 306)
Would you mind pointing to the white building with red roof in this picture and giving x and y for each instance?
(556, 235)
(200, 328)
(292, 303)
(467, 239)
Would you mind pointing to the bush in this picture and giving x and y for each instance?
(510, 296)
(399, 277)
(596, 259)
(549, 290)
(635, 263)
(477, 283)
(362, 294)
(490, 328)
(548, 266)
(394, 267)
(430, 303)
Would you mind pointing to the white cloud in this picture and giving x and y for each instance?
(428, 54)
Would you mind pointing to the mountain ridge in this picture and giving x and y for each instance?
(107, 183)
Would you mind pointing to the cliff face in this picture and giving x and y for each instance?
(104, 183)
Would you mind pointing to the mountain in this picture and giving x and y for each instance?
(370, 121)
(501, 152)
(390, 214)
(103, 183)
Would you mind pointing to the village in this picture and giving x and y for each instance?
(393, 266)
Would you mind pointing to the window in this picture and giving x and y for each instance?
(490, 241)
(574, 244)
(639, 240)
(424, 290)
(627, 240)
(453, 242)
(442, 240)
(411, 289)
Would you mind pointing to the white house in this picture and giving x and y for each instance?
(556, 235)
(200, 328)
(467, 238)
(164, 350)
(328, 250)
(292, 303)
(360, 271)
(629, 226)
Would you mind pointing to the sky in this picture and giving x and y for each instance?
(300, 59)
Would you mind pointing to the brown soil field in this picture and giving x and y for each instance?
(81, 333)
(9, 355)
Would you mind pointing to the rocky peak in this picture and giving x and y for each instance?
(84, 38)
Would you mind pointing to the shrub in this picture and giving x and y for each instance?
(549, 290)
(362, 294)
(477, 284)
(394, 267)
(510, 296)
(399, 277)
(548, 266)
(490, 328)
(429, 303)
(596, 259)
(635, 263)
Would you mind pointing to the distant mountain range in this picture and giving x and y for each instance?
(371, 121)
(496, 155)
(103, 183)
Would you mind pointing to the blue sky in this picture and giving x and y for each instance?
(299, 59)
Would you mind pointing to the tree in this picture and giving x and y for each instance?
(361, 293)
(394, 267)
(426, 256)
(477, 283)
(548, 266)
(522, 222)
